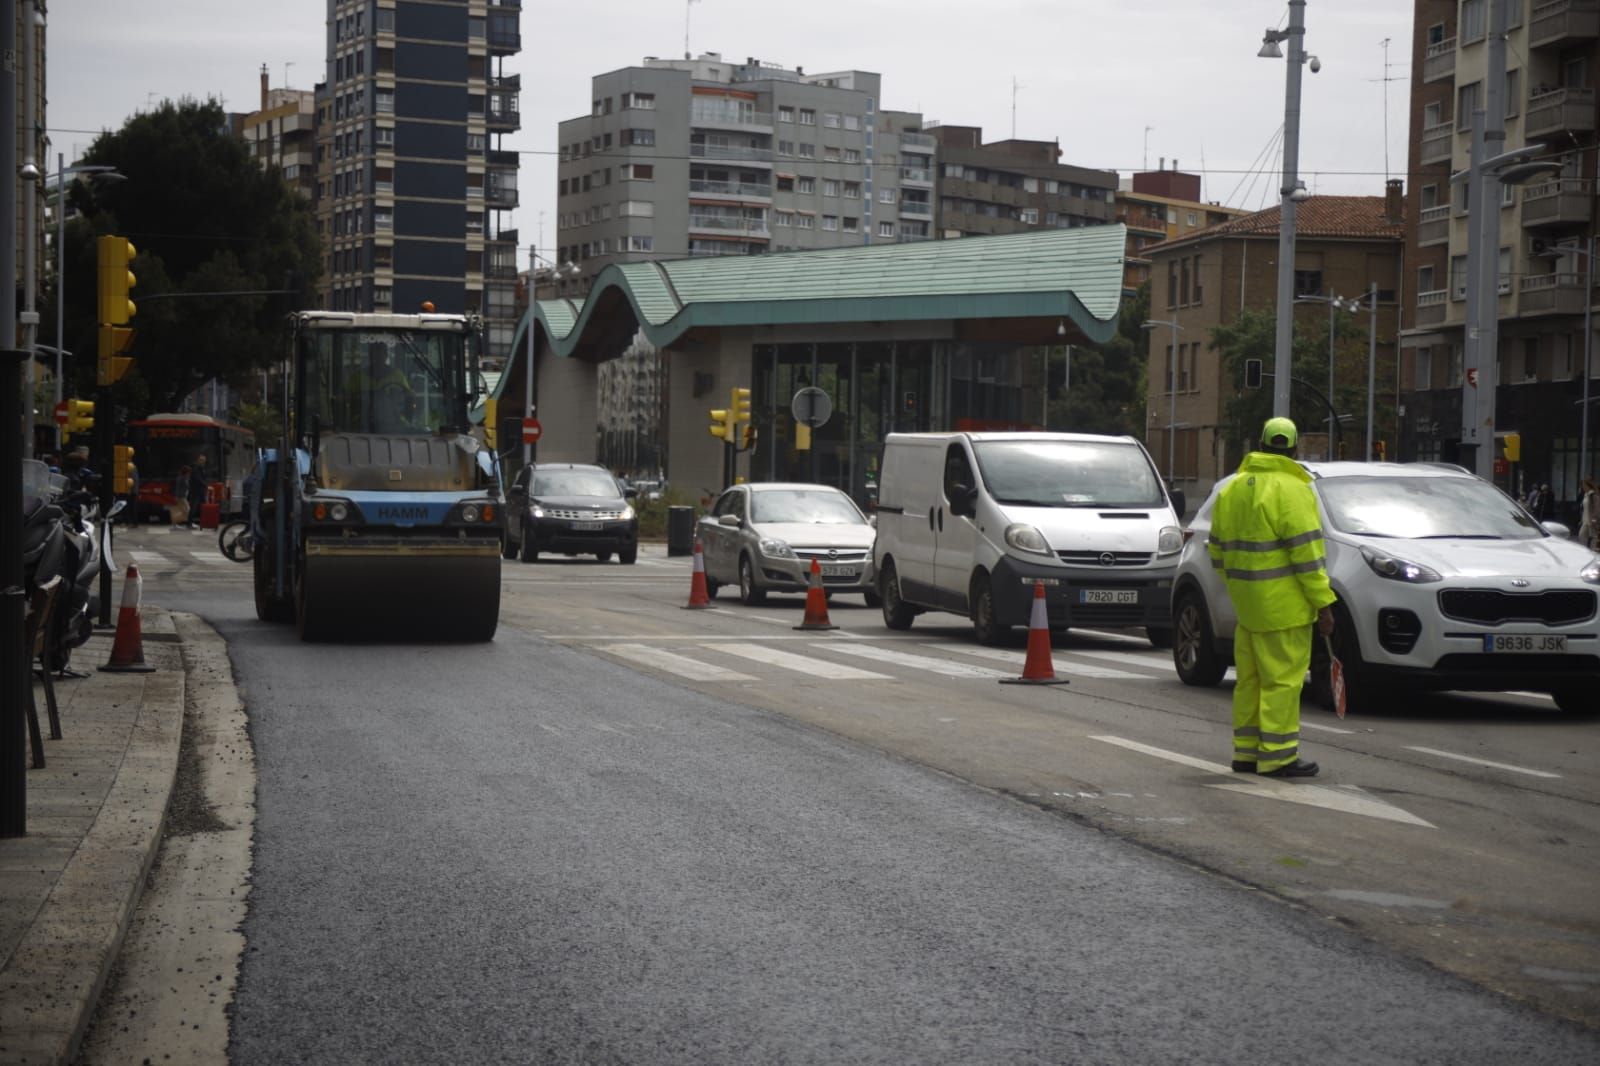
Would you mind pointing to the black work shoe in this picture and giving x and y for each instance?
(1241, 766)
(1297, 768)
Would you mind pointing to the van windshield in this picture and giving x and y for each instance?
(1068, 473)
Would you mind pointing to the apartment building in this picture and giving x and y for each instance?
(282, 133)
(1553, 50)
(1013, 186)
(1344, 246)
(413, 183)
(703, 156)
(1162, 205)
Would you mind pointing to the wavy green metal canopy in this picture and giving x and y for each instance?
(1071, 274)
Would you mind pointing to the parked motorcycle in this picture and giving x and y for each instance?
(63, 533)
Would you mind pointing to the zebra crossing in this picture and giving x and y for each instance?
(786, 660)
(154, 562)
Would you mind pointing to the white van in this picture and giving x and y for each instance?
(967, 522)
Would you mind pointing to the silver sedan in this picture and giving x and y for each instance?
(764, 536)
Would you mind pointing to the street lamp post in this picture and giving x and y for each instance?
(1172, 393)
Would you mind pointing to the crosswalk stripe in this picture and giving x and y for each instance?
(917, 662)
(212, 557)
(817, 668)
(673, 663)
(1063, 664)
(151, 560)
(1158, 663)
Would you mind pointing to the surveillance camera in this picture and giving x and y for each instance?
(29, 172)
(1316, 64)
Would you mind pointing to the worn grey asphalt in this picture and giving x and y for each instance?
(523, 853)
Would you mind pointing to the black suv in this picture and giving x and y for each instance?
(571, 508)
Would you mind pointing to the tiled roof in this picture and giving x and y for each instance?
(1325, 217)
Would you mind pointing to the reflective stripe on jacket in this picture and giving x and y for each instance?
(1266, 538)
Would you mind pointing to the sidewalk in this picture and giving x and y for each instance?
(95, 815)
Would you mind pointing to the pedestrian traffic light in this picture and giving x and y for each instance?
(1513, 447)
(122, 469)
(114, 254)
(80, 417)
(1252, 373)
(722, 425)
(741, 405)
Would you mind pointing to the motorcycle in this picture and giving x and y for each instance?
(63, 533)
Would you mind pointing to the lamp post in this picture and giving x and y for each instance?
(62, 170)
(1292, 192)
(1172, 392)
(1335, 304)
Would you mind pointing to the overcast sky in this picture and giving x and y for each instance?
(1091, 73)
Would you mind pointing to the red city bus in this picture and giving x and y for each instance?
(164, 443)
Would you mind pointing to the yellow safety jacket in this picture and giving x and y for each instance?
(1266, 538)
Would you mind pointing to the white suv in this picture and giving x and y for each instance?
(1444, 582)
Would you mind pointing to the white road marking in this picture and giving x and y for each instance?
(1267, 788)
(1063, 665)
(756, 617)
(1326, 728)
(151, 560)
(811, 667)
(213, 557)
(1481, 762)
(672, 663)
(1111, 636)
(1157, 663)
(917, 662)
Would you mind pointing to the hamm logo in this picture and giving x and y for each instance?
(402, 514)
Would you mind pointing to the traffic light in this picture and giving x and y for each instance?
(80, 417)
(1380, 451)
(741, 405)
(122, 469)
(1252, 373)
(1513, 447)
(722, 425)
(114, 254)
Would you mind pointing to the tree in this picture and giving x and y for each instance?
(1106, 390)
(206, 219)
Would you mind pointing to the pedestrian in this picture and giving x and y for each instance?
(1266, 537)
(199, 488)
(1589, 516)
(1542, 503)
(180, 496)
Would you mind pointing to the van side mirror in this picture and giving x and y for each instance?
(1180, 502)
(963, 500)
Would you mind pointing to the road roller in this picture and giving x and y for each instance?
(381, 516)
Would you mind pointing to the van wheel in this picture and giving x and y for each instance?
(1194, 646)
(984, 626)
(871, 598)
(897, 613)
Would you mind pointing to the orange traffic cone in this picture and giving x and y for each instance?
(1038, 669)
(127, 647)
(816, 602)
(699, 599)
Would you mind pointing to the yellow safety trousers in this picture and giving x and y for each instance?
(1271, 669)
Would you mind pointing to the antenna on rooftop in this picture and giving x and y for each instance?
(1146, 164)
(688, 7)
(1014, 87)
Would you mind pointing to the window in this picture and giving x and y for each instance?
(383, 219)
(808, 151)
(1029, 215)
(830, 222)
(642, 137)
(808, 117)
(639, 101)
(1473, 21)
(830, 120)
(1466, 104)
(830, 187)
(1432, 115)
(641, 243)
(784, 182)
(476, 142)
(1530, 359)
(786, 148)
(1183, 280)
(1308, 282)
(886, 229)
(852, 190)
(385, 20)
(852, 155)
(830, 155)
(1503, 274)
(783, 218)
(852, 122)
(886, 196)
(1510, 103)
(1458, 277)
(1190, 221)
(636, 209)
(804, 222)
(1172, 284)
(638, 172)
(383, 101)
(807, 186)
(1422, 370)
(851, 224)
(1424, 279)
(385, 137)
(785, 114)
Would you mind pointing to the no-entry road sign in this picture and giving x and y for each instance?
(531, 430)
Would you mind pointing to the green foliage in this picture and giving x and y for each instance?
(205, 218)
(1106, 393)
(653, 513)
(262, 419)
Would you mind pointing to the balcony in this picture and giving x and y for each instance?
(711, 112)
(1558, 112)
(1433, 225)
(1432, 307)
(1551, 294)
(915, 231)
(502, 196)
(504, 40)
(1563, 22)
(1437, 143)
(730, 224)
(1559, 203)
(732, 189)
(1440, 61)
(916, 176)
(918, 140)
(921, 208)
(746, 153)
